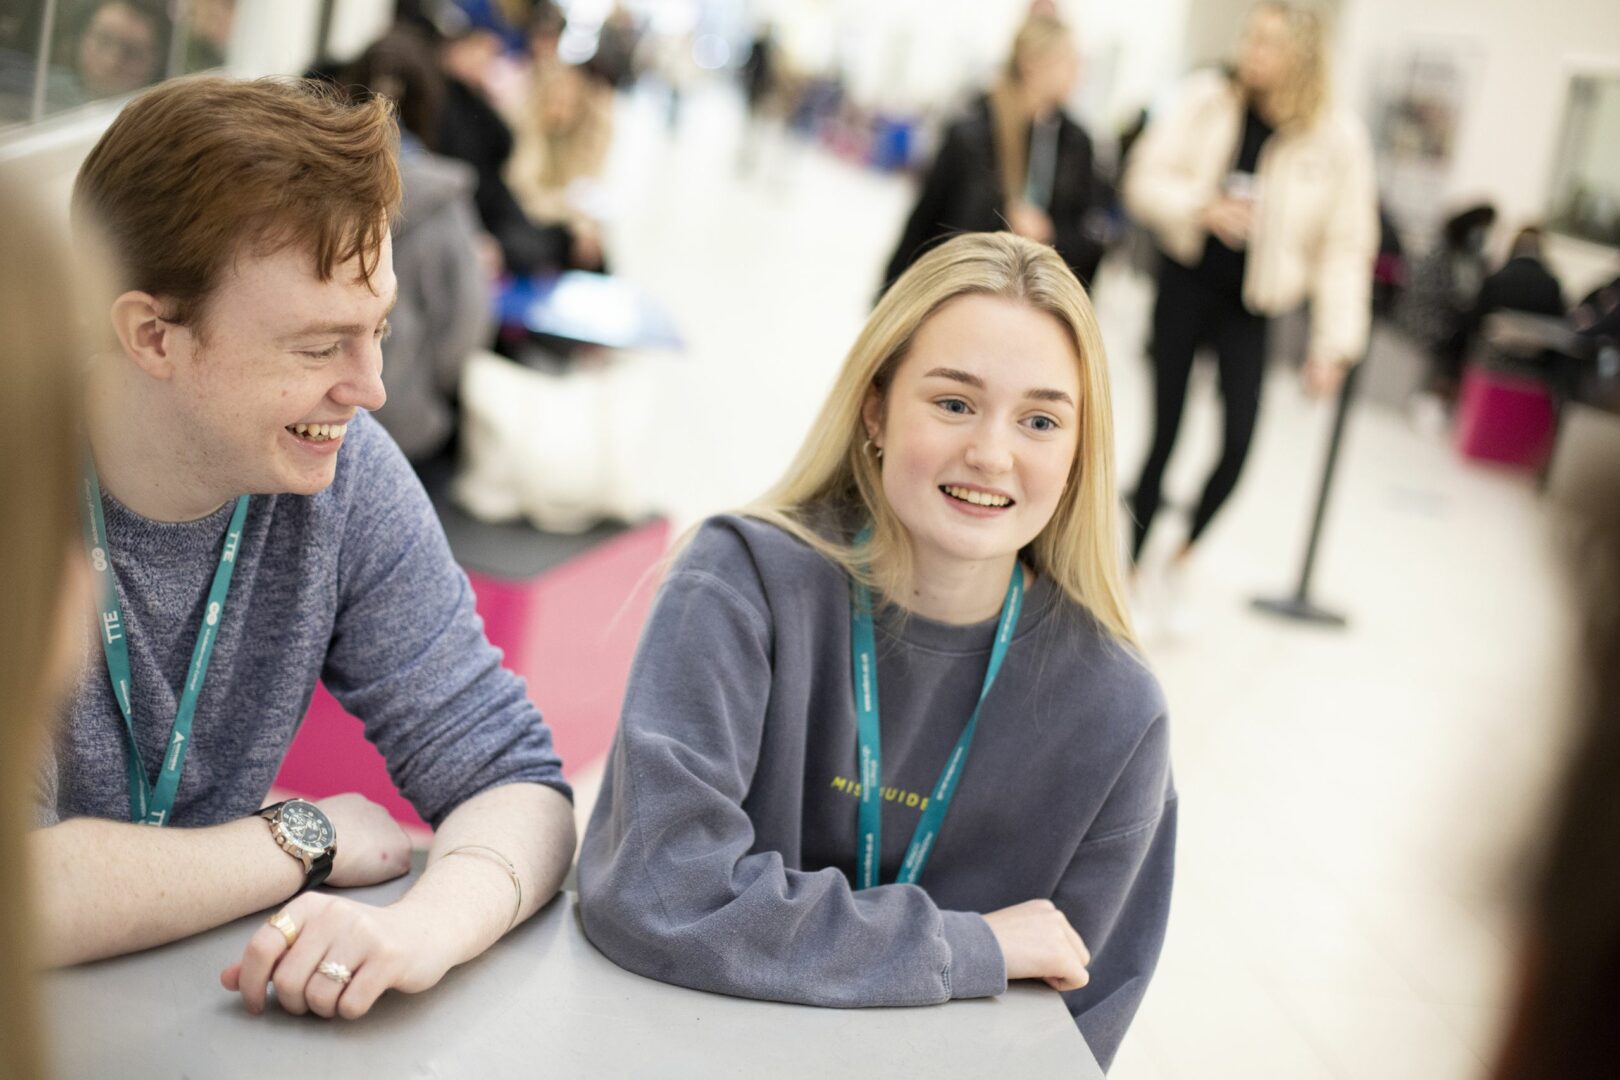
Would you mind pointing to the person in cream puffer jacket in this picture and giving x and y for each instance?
(1260, 194)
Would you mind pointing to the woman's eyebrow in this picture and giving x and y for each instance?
(1050, 395)
(970, 379)
(956, 375)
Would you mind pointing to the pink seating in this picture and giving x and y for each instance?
(1505, 418)
(571, 633)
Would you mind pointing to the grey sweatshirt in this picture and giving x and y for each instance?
(722, 850)
(354, 585)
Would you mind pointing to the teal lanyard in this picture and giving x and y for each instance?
(863, 654)
(147, 804)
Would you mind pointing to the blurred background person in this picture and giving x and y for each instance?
(472, 130)
(44, 317)
(211, 25)
(1259, 192)
(1442, 289)
(120, 47)
(445, 276)
(1016, 161)
(561, 142)
(1522, 283)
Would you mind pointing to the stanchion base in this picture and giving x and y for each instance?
(1301, 610)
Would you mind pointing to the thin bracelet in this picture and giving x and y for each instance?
(517, 882)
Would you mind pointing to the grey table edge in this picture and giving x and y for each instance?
(542, 1002)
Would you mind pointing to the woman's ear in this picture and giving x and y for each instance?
(872, 416)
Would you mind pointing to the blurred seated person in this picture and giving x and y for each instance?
(1016, 161)
(443, 259)
(121, 48)
(471, 130)
(562, 142)
(1523, 283)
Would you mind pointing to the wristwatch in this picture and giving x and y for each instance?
(306, 834)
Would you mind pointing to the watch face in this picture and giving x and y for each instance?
(306, 826)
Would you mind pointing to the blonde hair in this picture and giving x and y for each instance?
(1303, 92)
(1009, 119)
(44, 323)
(1079, 547)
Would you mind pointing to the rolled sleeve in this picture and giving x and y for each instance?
(410, 658)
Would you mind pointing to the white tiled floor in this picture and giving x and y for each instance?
(1353, 803)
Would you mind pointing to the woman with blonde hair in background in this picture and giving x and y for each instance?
(941, 555)
(42, 574)
(1260, 194)
(560, 142)
(1017, 161)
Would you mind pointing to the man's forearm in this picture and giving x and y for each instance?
(471, 896)
(104, 888)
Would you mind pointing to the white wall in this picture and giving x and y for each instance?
(1525, 52)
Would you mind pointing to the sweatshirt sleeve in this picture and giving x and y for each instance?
(670, 884)
(409, 656)
(1116, 894)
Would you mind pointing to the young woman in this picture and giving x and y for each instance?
(1016, 160)
(1261, 196)
(924, 615)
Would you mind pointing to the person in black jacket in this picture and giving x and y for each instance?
(1016, 161)
(1522, 284)
(472, 131)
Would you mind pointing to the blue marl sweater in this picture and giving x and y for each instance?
(354, 585)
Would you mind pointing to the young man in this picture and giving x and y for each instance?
(252, 530)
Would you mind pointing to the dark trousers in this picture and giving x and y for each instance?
(1187, 314)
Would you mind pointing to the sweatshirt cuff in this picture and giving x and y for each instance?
(976, 967)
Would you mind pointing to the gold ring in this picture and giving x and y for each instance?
(288, 928)
(335, 971)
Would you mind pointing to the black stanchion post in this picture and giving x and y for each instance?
(1299, 606)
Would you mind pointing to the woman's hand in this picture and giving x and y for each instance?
(1230, 220)
(1037, 942)
(383, 948)
(1321, 377)
(1030, 221)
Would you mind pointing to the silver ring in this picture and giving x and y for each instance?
(335, 971)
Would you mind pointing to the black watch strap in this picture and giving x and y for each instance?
(320, 868)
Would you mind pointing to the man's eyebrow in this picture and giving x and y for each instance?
(340, 329)
(970, 379)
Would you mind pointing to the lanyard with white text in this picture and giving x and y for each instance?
(147, 805)
(863, 653)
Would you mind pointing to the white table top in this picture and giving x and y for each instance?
(541, 1003)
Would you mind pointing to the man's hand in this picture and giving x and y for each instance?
(371, 847)
(1037, 942)
(1231, 220)
(382, 949)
